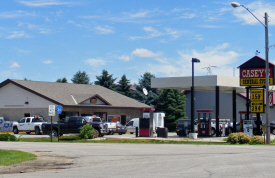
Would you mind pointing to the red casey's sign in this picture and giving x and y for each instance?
(255, 76)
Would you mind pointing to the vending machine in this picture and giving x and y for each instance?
(204, 122)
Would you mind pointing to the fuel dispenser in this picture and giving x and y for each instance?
(242, 118)
(204, 123)
(145, 127)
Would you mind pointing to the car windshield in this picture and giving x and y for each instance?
(38, 119)
(87, 119)
(97, 119)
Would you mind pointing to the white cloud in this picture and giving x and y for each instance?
(15, 14)
(72, 22)
(188, 16)
(17, 34)
(154, 32)
(40, 3)
(104, 30)
(258, 8)
(141, 52)
(47, 19)
(125, 58)
(31, 26)
(168, 69)
(48, 62)
(215, 56)
(14, 65)
(95, 62)
(139, 14)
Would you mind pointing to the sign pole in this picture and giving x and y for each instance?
(51, 128)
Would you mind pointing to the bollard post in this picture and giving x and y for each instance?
(136, 131)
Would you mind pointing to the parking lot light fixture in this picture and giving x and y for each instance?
(235, 4)
(193, 96)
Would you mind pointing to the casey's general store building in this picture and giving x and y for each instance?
(19, 98)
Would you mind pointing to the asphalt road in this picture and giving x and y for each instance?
(152, 160)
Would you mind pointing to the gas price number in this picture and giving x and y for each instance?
(257, 101)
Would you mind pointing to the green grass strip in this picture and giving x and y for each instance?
(9, 157)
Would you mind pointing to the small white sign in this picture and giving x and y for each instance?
(51, 110)
(248, 127)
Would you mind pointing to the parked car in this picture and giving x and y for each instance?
(120, 129)
(132, 124)
(28, 125)
(73, 124)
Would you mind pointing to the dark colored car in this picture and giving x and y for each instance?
(272, 128)
(120, 129)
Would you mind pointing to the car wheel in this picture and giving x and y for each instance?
(37, 131)
(120, 133)
(28, 132)
(273, 131)
(131, 132)
(15, 130)
(53, 133)
(213, 131)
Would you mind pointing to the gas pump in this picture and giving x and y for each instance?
(242, 118)
(204, 123)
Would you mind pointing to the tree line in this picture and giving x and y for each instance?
(170, 101)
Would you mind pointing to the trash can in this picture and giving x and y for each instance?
(163, 132)
(181, 132)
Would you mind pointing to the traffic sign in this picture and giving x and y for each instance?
(59, 109)
(51, 110)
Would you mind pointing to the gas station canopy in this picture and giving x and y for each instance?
(201, 83)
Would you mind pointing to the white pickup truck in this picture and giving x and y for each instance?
(28, 125)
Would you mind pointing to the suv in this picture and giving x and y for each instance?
(183, 127)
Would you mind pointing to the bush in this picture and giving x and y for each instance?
(241, 138)
(87, 132)
(7, 137)
(244, 138)
(256, 140)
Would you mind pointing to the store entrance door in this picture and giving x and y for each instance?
(123, 120)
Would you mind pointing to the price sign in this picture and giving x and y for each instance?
(257, 107)
(257, 95)
(257, 101)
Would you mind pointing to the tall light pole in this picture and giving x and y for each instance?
(193, 96)
(234, 4)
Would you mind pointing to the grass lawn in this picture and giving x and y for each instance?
(71, 139)
(9, 157)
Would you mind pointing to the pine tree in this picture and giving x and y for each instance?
(105, 80)
(172, 103)
(124, 87)
(81, 78)
(63, 80)
(153, 93)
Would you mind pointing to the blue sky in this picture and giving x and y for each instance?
(43, 40)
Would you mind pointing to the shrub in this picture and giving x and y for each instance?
(233, 138)
(241, 138)
(87, 132)
(95, 134)
(7, 137)
(244, 138)
(256, 140)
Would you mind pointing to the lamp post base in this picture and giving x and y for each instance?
(193, 135)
